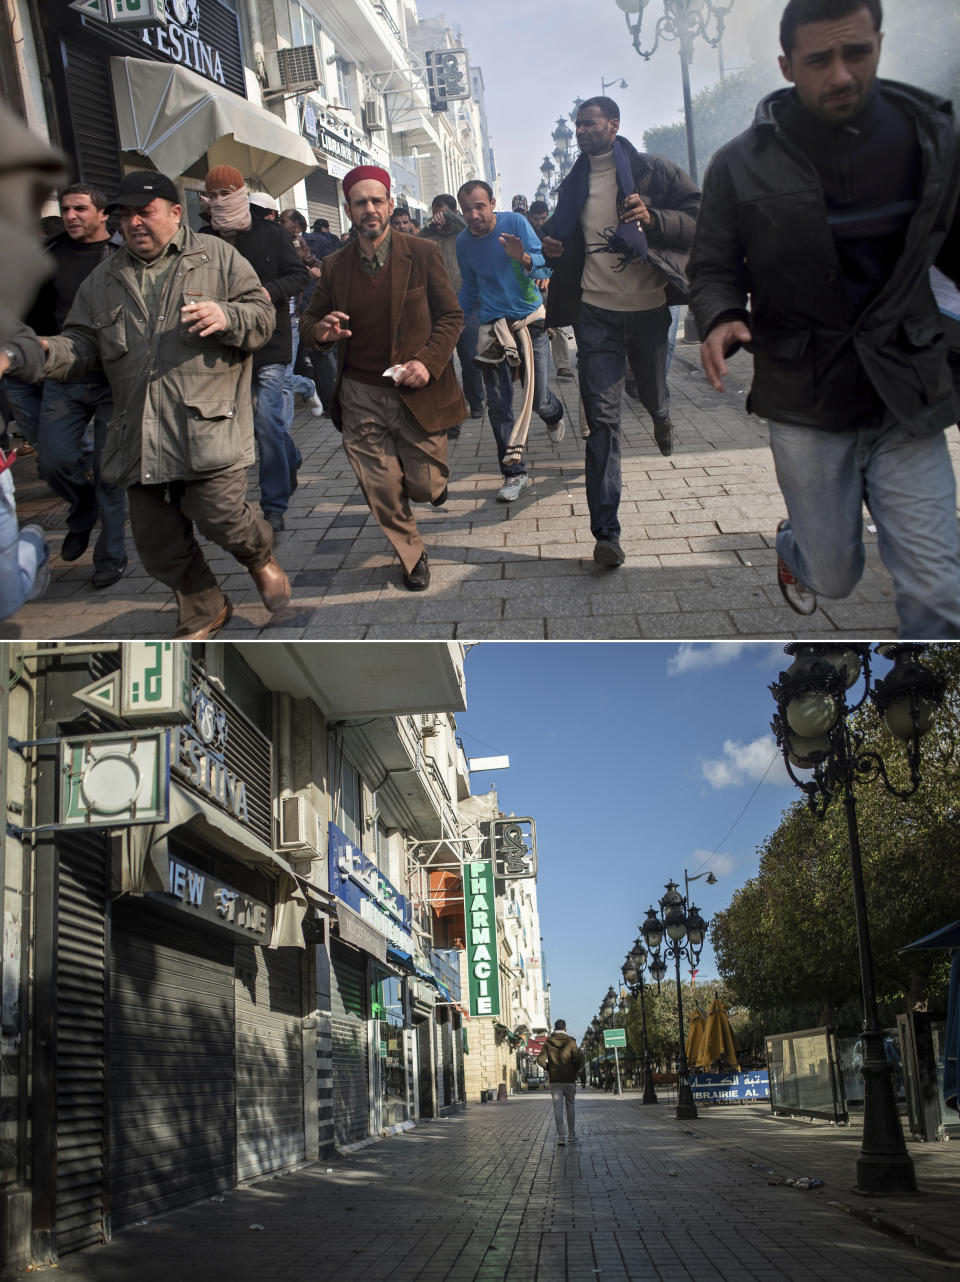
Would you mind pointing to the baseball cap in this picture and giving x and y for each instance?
(140, 187)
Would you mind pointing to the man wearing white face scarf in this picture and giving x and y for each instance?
(272, 256)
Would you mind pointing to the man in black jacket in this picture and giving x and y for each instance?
(270, 252)
(617, 244)
(828, 213)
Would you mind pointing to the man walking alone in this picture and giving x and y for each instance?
(562, 1058)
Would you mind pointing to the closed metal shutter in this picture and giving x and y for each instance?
(446, 1039)
(90, 134)
(81, 1002)
(323, 201)
(348, 1028)
(425, 1058)
(270, 1132)
(172, 1090)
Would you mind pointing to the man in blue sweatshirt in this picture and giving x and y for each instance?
(499, 256)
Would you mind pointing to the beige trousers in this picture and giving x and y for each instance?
(395, 460)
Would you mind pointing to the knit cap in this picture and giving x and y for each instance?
(223, 176)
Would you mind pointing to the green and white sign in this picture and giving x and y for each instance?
(156, 681)
(481, 926)
(109, 780)
(615, 1037)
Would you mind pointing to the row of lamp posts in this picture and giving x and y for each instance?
(814, 733)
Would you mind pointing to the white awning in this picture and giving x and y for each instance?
(172, 117)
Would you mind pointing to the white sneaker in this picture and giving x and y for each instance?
(316, 405)
(556, 431)
(42, 578)
(512, 488)
(561, 1140)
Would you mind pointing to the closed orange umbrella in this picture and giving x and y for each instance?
(719, 1041)
(694, 1037)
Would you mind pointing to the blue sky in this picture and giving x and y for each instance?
(635, 760)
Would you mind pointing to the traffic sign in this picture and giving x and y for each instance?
(615, 1037)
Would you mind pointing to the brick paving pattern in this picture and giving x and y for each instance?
(488, 1196)
(698, 530)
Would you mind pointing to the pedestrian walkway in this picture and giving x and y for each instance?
(488, 1196)
(698, 530)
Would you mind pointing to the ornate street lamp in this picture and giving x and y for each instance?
(683, 21)
(813, 732)
(680, 931)
(608, 1009)
(605, 85)
(633, 969)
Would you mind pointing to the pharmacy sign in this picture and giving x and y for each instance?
(481, 925)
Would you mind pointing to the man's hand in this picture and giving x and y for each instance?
(715, 347)
(331, 328)
(438, 219)
(315, 272)
(4, 363)
(513, 247)
(203, 318)
(552, 248)
(635, 211)
(413, 374)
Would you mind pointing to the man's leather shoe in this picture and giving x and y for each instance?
(272, 584)
(209, 629)
(663, 435)
(418, 580)
(74, 545)
(109, 574)
(440, 499)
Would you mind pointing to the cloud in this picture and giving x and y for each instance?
(690, 656)
(744, 763)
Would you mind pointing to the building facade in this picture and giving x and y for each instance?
(229, 939)
(293, 94)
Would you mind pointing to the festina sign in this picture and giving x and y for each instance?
(481, 927)
(180, 42)
(197, 754)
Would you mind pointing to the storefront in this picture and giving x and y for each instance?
(181, 977)
(171, 98)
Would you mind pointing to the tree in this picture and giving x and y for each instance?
(787, 945)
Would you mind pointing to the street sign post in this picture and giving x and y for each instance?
(616, 1037)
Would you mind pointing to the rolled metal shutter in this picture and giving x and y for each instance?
(172, 1088)
(81, 1032)
(323, 200)
(93, 140)
(348, 1027)
(270, 1131)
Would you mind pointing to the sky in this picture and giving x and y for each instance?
(537, 58)
(637, 760)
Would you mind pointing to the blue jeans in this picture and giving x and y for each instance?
(21, 555)
(23, 400)
(295, 385)
(65, 411)
(606, 342)
(278, 454)
(471, 376)
(672, 335)
(908, 485)
(498, 382)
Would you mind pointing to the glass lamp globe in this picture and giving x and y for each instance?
(652, 930)
(812, 713)
(899, 721)
(631, 6)
(806, 752)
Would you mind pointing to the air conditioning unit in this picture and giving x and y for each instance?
(299, 68)
(429, 724)
(299, 825)
(373, 114)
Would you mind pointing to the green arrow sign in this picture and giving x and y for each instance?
(615, 1037)
(104, 695)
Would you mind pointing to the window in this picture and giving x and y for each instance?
(344, 93)
(304, 27)
(346, 807)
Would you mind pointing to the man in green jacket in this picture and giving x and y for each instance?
(172, 320)
(562, 1058)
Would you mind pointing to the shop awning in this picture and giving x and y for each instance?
(172, 116)
(144, 860)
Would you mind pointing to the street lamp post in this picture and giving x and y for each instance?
(683, 21)
(813, 732)
(674, 924)
(607, 1011)
(605, 85)
(633, 969)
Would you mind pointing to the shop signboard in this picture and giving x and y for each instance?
(209, 898)
(481, 926)
(155, 681)
(108, 780)
(448, 75)
(720, 1088)
(512, 845)
(136, 13)
(359, 883)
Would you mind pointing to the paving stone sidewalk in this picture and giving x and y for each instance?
(488, 1196)
(698, 530)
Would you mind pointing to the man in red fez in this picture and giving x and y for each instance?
(385, 303)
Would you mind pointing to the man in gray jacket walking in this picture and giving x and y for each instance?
(562, 1058)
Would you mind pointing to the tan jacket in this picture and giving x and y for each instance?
(561, 1058)
(425, 323)
(183, 405)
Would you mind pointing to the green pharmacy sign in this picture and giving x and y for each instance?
(481, 926)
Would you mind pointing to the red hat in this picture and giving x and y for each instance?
(365, 171)
(223, 176)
